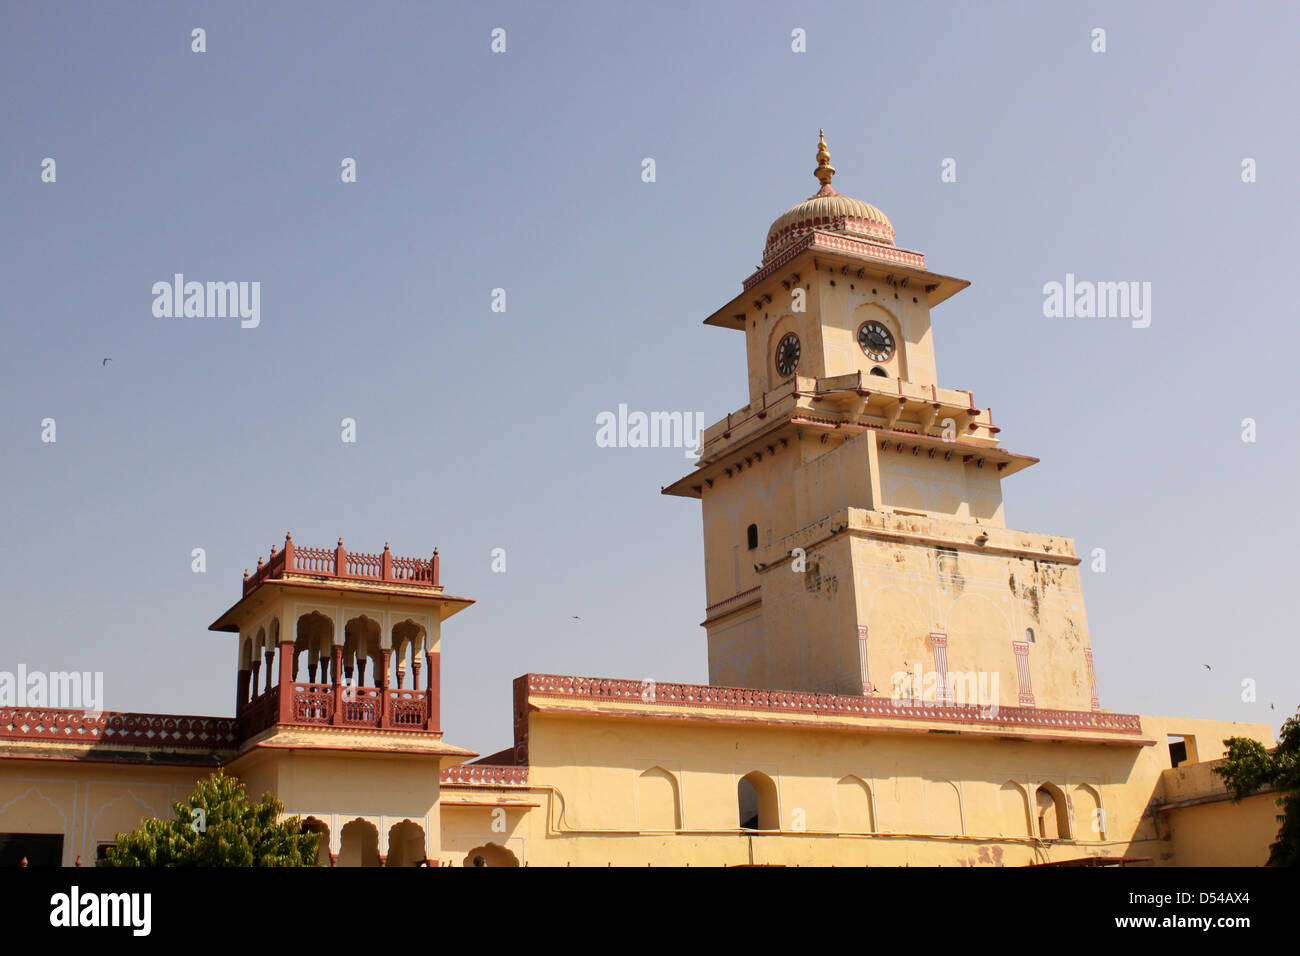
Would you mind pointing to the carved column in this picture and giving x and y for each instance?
(336, 669)
(433, 691)
(384, 715)
(241, 690)
(286, 681)
(257, 669)
(270, 667)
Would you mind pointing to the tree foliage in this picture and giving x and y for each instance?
(1249, 767)
(217, 827)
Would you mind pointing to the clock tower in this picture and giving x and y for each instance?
(854, 534)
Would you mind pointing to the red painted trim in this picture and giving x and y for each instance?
(800, 702)
(735, 597)
(170, 731)
(381, 568)
(485, 775)
(994, 733)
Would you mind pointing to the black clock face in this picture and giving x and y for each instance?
(876, 341)
(787, 354)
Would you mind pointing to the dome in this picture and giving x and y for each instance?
(828, 211)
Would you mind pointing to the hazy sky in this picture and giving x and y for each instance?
(476, 429)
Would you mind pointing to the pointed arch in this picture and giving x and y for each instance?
(854, 811)
(1013, 810)
(1051, 815)
(943, 807)
(1089, 818)
(756, 802)
(658, 800)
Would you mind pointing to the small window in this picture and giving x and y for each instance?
(751, 536)
(877, 370)
(1029, 635)
(1177, 750)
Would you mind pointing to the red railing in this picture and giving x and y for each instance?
(165, 731)
(339, 563)
(485, 775)
(261, 713)
(361, 707)
(314, 705)
(800, 702)
(407, 709)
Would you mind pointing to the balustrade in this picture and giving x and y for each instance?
(358, 566)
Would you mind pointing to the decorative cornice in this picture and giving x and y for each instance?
(834, 243)
(750, 592)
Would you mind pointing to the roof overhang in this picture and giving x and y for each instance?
(448, 604)
(852, 256)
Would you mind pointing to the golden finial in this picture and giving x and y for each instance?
(824, 170)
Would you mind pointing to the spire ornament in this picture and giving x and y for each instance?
(824, 170)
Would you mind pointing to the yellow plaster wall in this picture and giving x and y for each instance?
(87, 803)
(910, 799)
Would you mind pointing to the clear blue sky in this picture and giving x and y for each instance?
(477, 429)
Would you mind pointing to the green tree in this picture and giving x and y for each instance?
(1249, 768)
(218, 827)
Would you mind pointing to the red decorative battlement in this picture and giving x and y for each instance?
(340, 564)
(164, 731)
(654, 693)
(485, 775)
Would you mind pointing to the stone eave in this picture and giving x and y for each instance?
(46, 750)
(662, 700)
(352, 741)
(851, 255)
(448, 604)
(787, 424)
(840, 724)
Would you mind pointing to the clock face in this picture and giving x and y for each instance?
(876, 341)
(787, 354)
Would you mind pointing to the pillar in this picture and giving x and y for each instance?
(383, 686)
(270, 666)
(257, 669)
(433, 691)
(286, 682)
(241, 690)
(336, 667)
